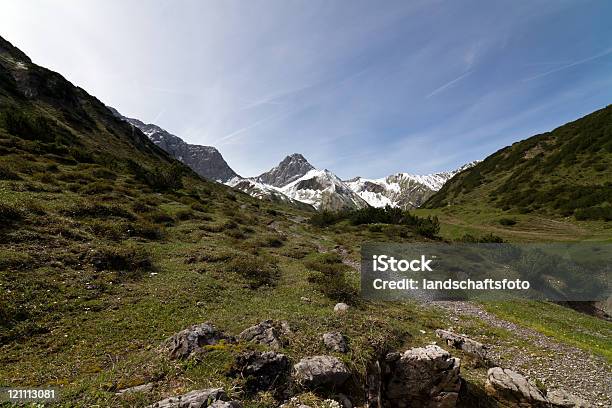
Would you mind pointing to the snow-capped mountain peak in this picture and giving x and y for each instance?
(323, 190)
(403, 190)
(289, 169)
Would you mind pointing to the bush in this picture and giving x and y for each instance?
(507, 221)
(145, 229)
(25, 126)
(98, 187)
(128, 261)
(603, 213)
(162, 179)
(184, 215)
(329, 277)
(489, 238)
(258, 271)
(9, 214)
(8, 174)
(89, 209)
(159, 217)
(199, 207)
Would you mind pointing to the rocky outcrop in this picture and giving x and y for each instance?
(320, 370)
(420, 377)
(267, 333)
(465, 344)
(262, 371)
(563, 399)
(192, 339)
(510, 387)
(207, 398)
(335, 341)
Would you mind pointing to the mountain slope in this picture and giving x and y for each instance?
(323, 190)
(204, 160)
(565, 172)
(402, 189)
(289, 169)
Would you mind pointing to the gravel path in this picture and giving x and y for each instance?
(555, 364)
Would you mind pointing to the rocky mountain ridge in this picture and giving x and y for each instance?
(295, 181)
(204, 160)
(402, 190)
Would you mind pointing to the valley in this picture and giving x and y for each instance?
(118, 236)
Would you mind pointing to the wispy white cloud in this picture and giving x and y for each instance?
(570, 65)
(448, 84)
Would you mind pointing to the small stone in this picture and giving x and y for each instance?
(192, 339)
(335, 341)
(341, 308)
(510, 387)
(266, 333)
(262, 371)
(139, 388)
(197, 398)
(320, 370)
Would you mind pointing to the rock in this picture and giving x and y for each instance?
(320, 370)
(195, 399)
(192, 339)
(262, 371)
(139, 388)
(563, 399)
(510, 387)
(422, 377)
(465, 344)
(225, 404)
(344, 401)
(267, 333)
(335, 341)
(341, 308)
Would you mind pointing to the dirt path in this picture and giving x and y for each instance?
(555, 364)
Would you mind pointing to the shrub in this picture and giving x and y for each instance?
(159, 217)
(101, 173)
(9, 214)
(145, 229)
(489, 238)
(508, 222)
(326, 218)
(161, 179)
(199, 207)
(428, 227)
(88, 209)
(8, 174)
(98, 187)
(329, 277)
(235, 233)
(603, 213)
(257, 270)
(25, 126)
(128, 261)
(184, 215)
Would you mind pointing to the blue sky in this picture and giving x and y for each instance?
(363, 88)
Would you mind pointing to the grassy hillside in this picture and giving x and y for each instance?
(561, 173)
(109, 246)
